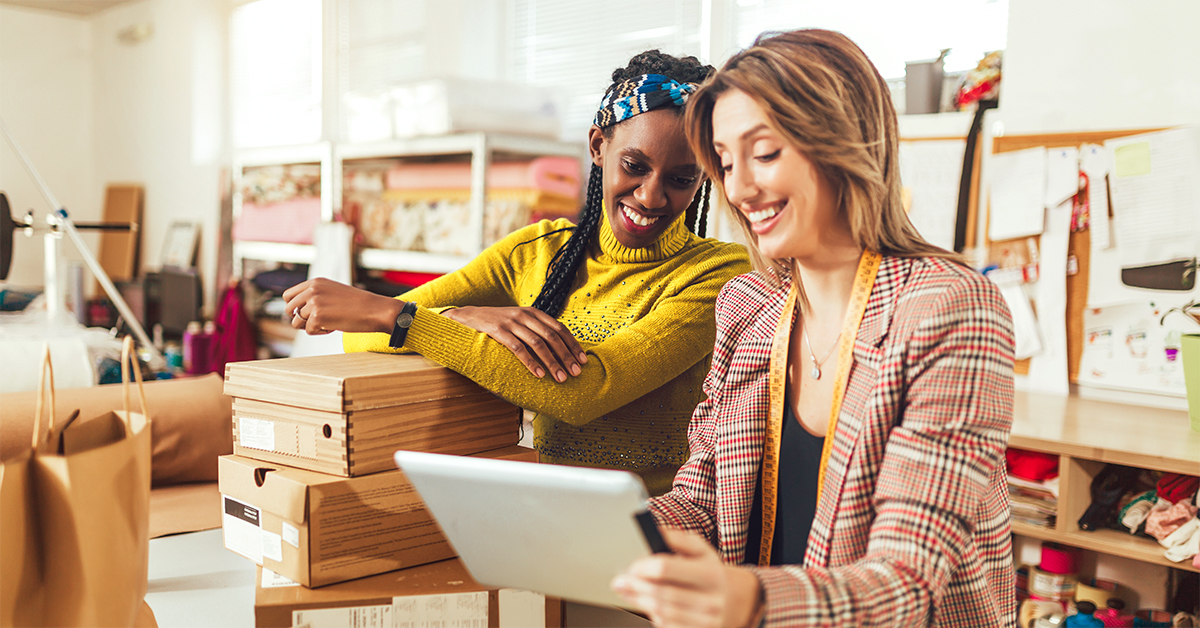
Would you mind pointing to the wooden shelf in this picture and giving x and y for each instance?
(416, 261)
(1086, 435)
(1137, 436)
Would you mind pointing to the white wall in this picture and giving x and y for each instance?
(1082, 65)
(1094, 65)
(45, 101)
(160, 111)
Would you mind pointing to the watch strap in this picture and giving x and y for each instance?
(403, 321)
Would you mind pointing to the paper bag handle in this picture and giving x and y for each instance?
(127, 361)
(47, 368)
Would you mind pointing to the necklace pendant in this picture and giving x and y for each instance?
(816, 372)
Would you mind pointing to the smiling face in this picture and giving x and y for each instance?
(782, 195)
(650, 175)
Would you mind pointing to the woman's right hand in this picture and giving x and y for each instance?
(319, 306)
(539, 341)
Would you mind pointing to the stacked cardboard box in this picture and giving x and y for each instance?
(436, 594)
(312, 492)
(346, 414)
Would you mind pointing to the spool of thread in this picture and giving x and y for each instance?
(1044, 585)
(1032, 610)
(1059, 559)
(1098, 592)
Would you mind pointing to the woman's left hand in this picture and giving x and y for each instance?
(691, 587)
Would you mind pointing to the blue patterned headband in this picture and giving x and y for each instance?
(639, 95)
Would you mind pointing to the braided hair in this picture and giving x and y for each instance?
(566, 261)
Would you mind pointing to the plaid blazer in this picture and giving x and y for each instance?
(913, 524)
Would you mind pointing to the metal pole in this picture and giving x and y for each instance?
(64, 221)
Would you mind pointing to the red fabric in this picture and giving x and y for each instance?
(1034, 466)
(409, 278)
(234, 340)
(1175, 487)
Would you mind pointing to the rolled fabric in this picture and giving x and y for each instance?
(191, 423)
(1059, 559)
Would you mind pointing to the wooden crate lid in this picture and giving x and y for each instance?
(345, 382)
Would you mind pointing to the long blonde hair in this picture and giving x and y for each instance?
(821, 94)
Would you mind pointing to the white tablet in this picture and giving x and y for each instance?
(557, 530)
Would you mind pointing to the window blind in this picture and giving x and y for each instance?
(574, 45)
(275, 72)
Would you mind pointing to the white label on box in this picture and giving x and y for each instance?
(243, 529)
(522, 609)
(352, 617)
(272, 546)
(272, 580)
(456, 610)
(291, 535)
(256, 433)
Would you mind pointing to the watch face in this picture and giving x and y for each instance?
(404, 320)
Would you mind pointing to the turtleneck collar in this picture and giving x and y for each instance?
(668, 243)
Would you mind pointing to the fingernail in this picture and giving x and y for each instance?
(583, 357)
(560, 376)
(539, 372)
(575, 369)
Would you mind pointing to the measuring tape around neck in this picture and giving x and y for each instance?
(864, 280)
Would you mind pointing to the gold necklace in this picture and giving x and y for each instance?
(816, 369)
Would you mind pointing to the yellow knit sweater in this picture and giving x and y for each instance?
(643, 316)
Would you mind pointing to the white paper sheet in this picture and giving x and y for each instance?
(1018, 186)
(1025, 324)
(1155, 183)
(1062, 175)
(1048, 369)
(1125, 348)
(1093, 163)
(932, 170)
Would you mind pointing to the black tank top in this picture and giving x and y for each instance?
(799, 466)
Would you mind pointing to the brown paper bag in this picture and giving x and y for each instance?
(74, 517)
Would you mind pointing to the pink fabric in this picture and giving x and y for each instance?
(1161, 523)
(234, 340)
(290, 221)
(1196, 561)
(556, 175)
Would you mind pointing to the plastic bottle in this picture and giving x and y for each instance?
(191, 338)
(1085, 618)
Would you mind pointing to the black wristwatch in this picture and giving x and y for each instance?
(403, 321)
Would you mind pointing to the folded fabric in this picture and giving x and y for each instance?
(1176, 487)
(1135, 512)
(1031, 465)
(1184, 542)
(1161, 523)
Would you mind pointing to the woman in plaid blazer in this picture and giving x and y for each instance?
(911, 526)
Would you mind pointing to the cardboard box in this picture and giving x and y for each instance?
(320, 529)
(346, 414)
(437, 594)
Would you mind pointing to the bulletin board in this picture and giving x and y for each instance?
(1079, 244)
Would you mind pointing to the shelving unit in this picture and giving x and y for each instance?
(1088, 434)
(480, 147)
(320, 153)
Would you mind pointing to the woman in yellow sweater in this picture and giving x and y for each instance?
(604, 329)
